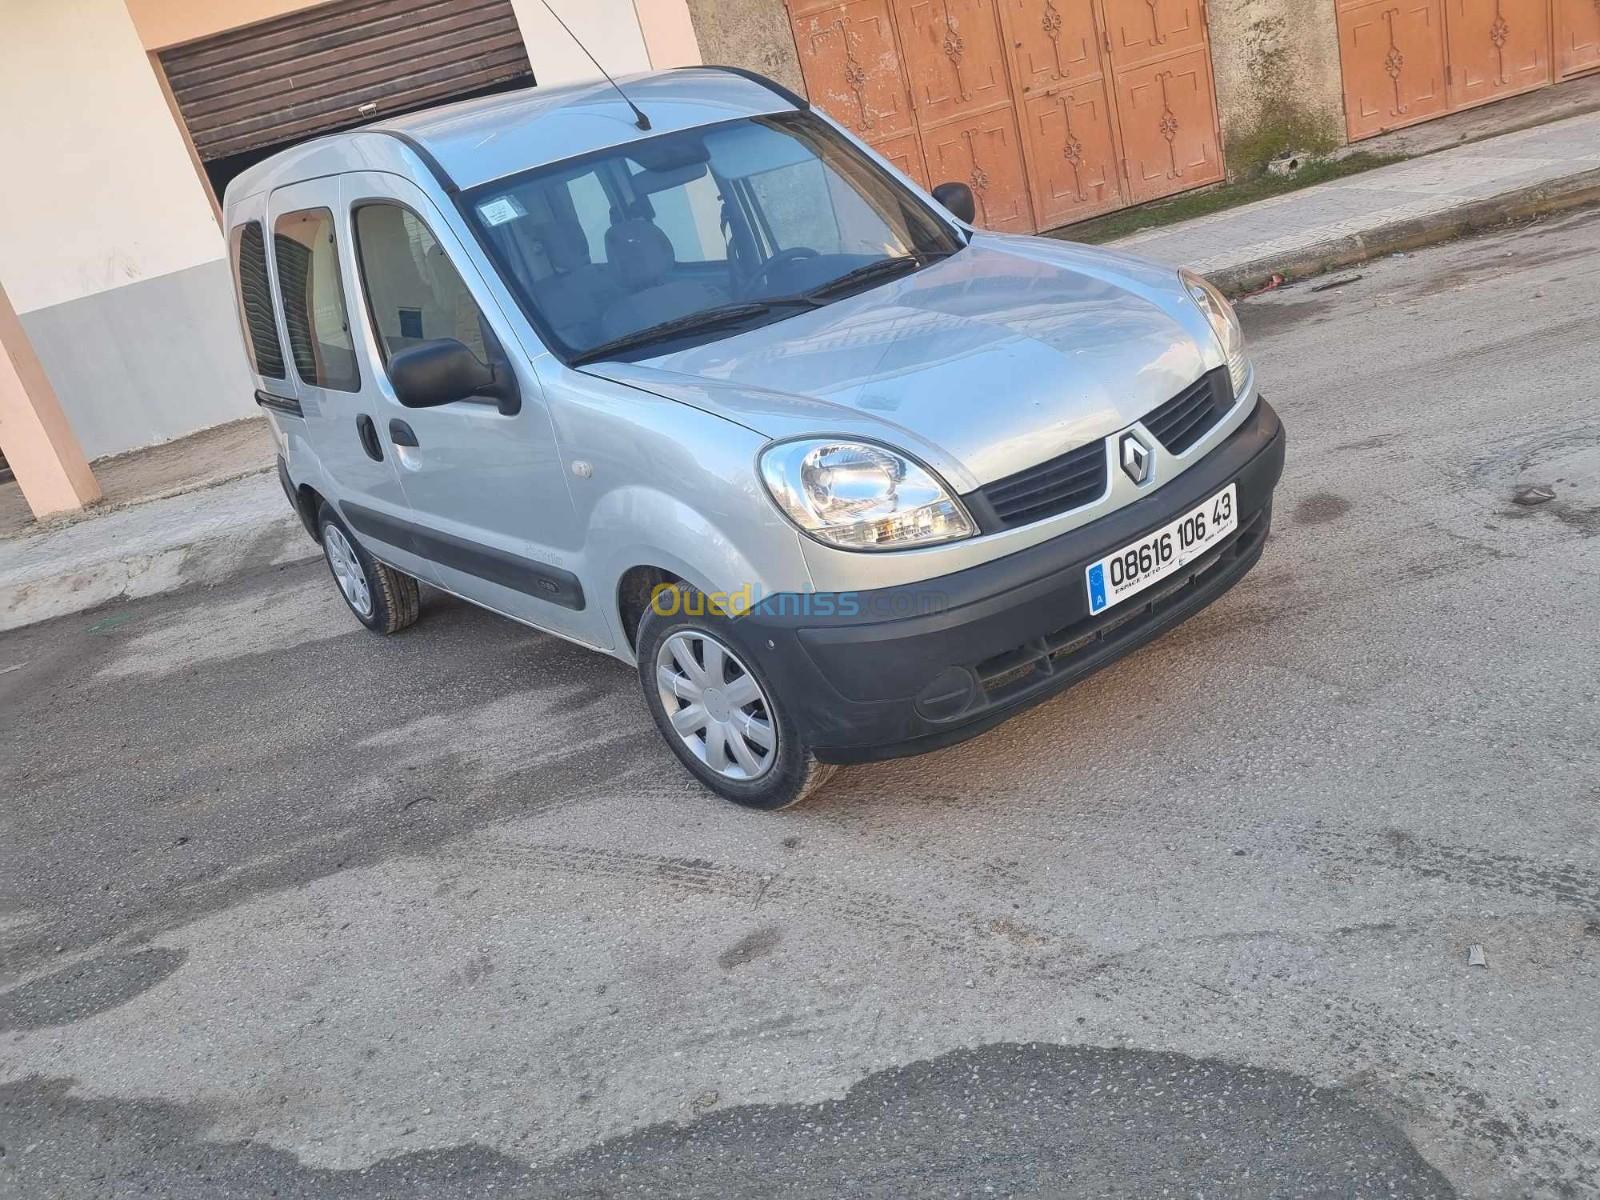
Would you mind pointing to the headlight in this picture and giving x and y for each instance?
(1225, 323)
(861, 496)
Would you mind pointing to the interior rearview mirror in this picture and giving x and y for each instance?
(670, 152)
(957, 200)
(443, 371)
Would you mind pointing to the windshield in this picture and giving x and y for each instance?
(697, 234)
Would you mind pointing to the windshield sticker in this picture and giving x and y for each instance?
(501, 209)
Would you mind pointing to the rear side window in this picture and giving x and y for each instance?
(248, 247)
(313, 300)
(414, 292)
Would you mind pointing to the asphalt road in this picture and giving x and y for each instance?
(286, 909)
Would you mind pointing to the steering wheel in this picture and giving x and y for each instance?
(792, 254)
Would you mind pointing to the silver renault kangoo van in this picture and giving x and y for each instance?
(693, 377)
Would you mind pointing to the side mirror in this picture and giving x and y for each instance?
(957, 200)
(444, 371)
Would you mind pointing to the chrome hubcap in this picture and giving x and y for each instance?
(347, 570)
(717, 708)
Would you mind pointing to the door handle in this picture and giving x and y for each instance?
(401, 434)
(368, 433)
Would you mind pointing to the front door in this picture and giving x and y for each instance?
(487, 489)
(334, 392)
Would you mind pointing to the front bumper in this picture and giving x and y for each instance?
(895, 671)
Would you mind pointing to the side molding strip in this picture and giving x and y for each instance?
(536, 579)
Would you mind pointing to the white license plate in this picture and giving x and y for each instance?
(1156, 555)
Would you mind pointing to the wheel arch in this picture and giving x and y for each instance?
(635, 590)
(653, 537)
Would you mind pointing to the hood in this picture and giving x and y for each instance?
(1010, 352)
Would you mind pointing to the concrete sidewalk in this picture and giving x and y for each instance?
(1389, 208)
(206, 535)
(216, 455)
(199, 537)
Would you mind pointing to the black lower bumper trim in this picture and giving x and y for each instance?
(985, 643)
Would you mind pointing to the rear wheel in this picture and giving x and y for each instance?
(718, 712)
(382, 599)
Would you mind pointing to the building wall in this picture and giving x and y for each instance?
(748, 33)
(1276, 64)
(109, 248)
(610, 28)
(668, 33)
(163, 23)
(111, 253)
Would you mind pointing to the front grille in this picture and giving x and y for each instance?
(1069, 480)
(1193, 412)
(1078, 477)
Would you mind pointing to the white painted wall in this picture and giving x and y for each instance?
(100, 191)
(109, 247)
(609, 28)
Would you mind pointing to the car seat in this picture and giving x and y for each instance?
(642, 258)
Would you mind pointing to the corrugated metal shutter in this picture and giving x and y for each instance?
(311, 72)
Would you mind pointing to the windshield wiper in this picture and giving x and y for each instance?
(695, 322)
(869, 272)
(732, 314)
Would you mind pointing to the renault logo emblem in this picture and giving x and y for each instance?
(1136, 458)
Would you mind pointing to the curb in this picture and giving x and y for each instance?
(206, 563)
(200, 539)
(1559, 195)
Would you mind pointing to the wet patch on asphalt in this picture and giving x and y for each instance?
(754, 945)
(1004, 1119)
(1321, 509)
(1489, 268)
(86, 989)
(1264, 318)
(255, 623)
(1583, 521)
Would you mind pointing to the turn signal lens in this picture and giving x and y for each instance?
(1224, 323)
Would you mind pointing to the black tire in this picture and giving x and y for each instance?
(394, 598)
(794, 772)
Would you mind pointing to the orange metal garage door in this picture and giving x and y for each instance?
(1405, 61)
(1577, 36)
(1053, 110)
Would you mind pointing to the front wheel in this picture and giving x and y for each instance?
(718, 712)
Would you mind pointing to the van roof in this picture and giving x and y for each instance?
(475, 141)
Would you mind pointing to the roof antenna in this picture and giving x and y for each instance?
(643, 122)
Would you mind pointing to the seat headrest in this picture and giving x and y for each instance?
(639, 252)
(566, 245)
